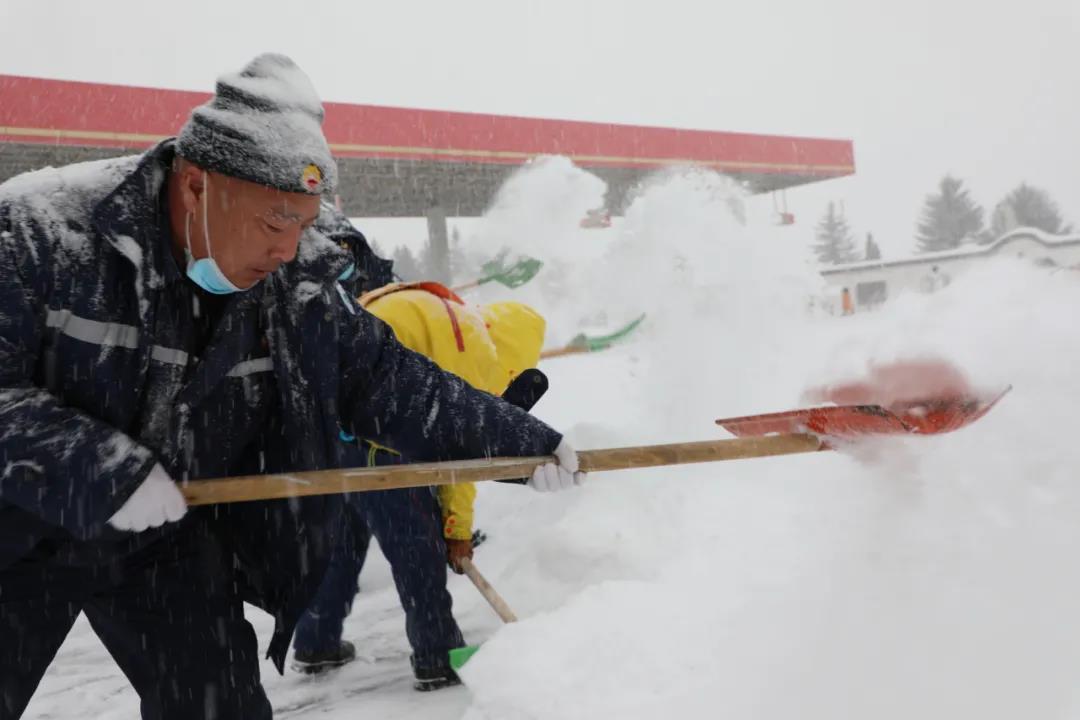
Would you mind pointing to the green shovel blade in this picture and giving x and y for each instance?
(514, 276)
(594, 343)
(460, 656)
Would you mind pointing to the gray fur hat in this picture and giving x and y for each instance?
(264, 125)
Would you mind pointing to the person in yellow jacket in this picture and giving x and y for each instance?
(487, 346)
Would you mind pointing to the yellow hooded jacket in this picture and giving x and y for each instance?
(487, 346)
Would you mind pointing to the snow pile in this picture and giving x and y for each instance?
(672, 253)
(537, 213)
(937, 579)
(538, 209)
(726, 298)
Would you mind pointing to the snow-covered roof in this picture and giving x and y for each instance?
(1043, 238)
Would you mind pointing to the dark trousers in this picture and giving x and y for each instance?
(165, 612)
(408, 526)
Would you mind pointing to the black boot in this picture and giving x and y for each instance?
(433, 677)
(317, 662)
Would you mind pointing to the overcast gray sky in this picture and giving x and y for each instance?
(988, 91)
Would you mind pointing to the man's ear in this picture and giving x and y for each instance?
(190, 178)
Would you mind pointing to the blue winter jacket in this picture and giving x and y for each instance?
(97, 383)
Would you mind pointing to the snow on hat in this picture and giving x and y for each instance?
(264, 124)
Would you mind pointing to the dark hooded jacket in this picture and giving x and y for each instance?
(112, 361)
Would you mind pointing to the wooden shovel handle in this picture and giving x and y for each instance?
(644, 456)
(562, 351)
(467, 286)
(394, 477)
(494, 599)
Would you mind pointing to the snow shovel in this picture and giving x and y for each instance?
(515, 276)
(797, 431)
(460, 656)
(585, 344)
(914, 397)
(847, 423)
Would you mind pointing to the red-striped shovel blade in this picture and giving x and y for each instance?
(929, 417)
(843, 421)
(943, 415)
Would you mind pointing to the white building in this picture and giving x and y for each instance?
(872, 282)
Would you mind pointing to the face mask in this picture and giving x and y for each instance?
(205, 272)
(347, 272)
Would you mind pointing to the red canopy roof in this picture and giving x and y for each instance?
(34, 110)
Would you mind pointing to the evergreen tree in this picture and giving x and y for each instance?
(406, 265)
(461, 267)
(834, 245)
(1027, 206)
(873, 252)
(376, 248)
(950, 218)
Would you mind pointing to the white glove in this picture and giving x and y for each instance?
(550, 477)
(155, 502)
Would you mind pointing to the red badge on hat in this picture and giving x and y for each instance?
(311, 177)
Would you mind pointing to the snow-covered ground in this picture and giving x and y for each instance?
(931, 578)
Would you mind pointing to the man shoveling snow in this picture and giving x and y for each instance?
(173, 316)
